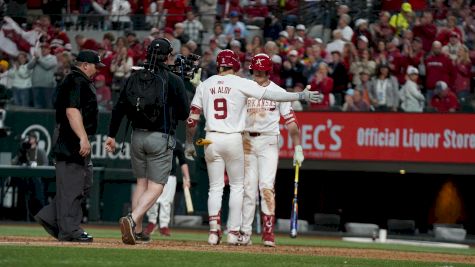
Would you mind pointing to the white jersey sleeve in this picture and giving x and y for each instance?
(251, 89)
(198, 97)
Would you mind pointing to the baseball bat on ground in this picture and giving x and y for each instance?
(295, 208)
(188, 202)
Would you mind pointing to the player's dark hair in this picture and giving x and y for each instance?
(251, 71)
(223, 69)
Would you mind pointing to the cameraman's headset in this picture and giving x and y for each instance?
(153, 50)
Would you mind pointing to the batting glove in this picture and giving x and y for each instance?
(311, 96)
(196, 78)
(190, 151)
(298, 155)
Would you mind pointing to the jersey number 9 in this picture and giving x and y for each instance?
(221, 108)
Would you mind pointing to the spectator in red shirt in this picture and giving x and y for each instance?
(106, 58)
(59, 38)
(256, 12)
(235, 6)
(444, 34)
(380, 54)
(103, 93)
(86, 43)
(108, 41)
(394, 58)
(382, 31)
(138, 52)
(463, 68)
(361, 29)
(440, 10)
(324, 85)
(445, 100)
(426, 30)
(438, 68)
(300, 32)
(416, 53)
(176, 11)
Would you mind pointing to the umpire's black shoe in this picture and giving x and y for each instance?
(52, 230)
(142, 237)
(84, 238)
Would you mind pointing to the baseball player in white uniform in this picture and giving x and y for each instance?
(261, 150)
(222, 98)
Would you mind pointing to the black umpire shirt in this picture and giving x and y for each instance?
(177, 107)
(76, 91)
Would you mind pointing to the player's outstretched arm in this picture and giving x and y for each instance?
(295, 135)
(307, 95)
(191, 126)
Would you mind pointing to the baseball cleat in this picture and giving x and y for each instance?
(214, 237)
(269, 243)
(127, 226)
(268, 223)
(150, 229)
(165, 231)
(237, 239)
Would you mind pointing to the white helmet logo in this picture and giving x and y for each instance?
(259, 61)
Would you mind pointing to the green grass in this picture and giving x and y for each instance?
(32, 256)
(64, 256)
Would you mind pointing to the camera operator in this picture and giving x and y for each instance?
(153, 98)
(29, 154)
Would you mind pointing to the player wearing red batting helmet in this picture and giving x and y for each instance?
(260, 134)
(261, 62)
(223, 100)
(229, 59)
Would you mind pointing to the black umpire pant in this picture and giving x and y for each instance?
(73, 183)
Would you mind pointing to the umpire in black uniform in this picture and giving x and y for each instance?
(76, 117)
(154, 99)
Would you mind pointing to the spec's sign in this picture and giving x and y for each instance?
(404, 137)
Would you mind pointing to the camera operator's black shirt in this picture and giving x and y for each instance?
(177, 104)
(76, 91)
(178, 157)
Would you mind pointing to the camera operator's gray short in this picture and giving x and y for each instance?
(151, 155)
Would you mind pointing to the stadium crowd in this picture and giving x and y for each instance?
(408, 60)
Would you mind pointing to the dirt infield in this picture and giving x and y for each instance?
(289, 250)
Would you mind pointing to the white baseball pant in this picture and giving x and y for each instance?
(165, 201)
(226, 152)
(261, 154)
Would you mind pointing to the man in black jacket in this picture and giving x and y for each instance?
(153, 119)
(76, 117)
